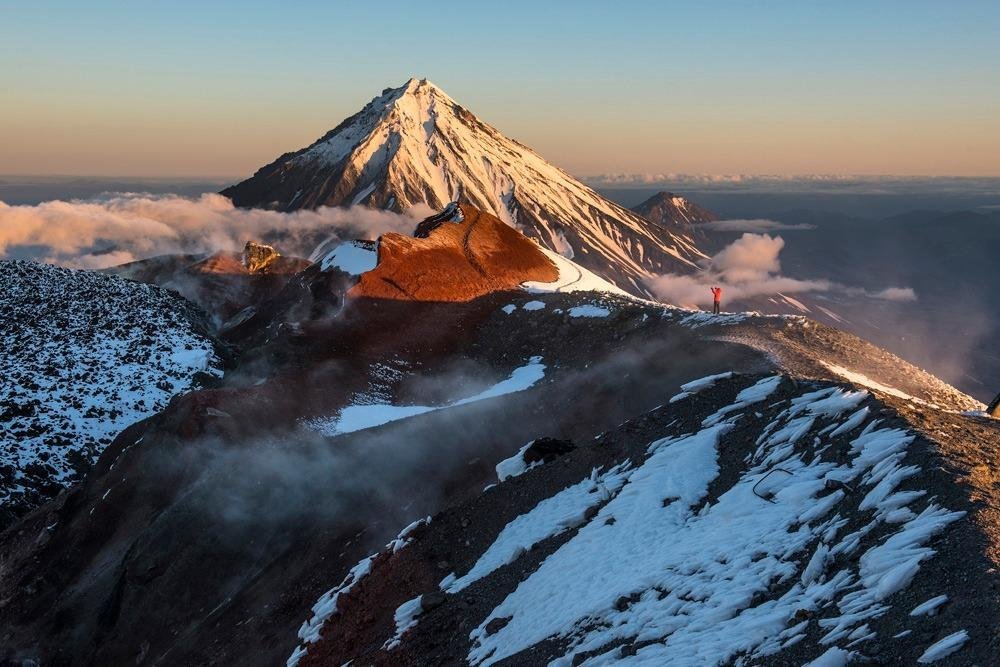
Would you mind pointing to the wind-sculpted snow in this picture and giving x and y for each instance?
(414, 146)
(84, 356)
(787, 520)
(675, 574)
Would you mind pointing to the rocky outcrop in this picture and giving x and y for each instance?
(258, 256)
(457, 255)
(222, 283)
(993, 410)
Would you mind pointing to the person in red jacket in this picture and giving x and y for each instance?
(717, 299)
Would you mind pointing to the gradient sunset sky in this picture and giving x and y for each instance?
(206, 89)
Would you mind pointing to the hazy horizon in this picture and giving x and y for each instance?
(211, 91)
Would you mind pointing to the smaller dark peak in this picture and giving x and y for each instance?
(661, 198)
(451, 213)
(669, 208)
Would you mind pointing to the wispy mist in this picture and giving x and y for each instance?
(124, 227)
(750, 266)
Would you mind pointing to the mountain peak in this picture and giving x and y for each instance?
(413, 88)
(670, 209)
(415, 145)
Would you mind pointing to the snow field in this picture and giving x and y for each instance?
(687, 575)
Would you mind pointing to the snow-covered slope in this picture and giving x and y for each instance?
(721, 486)
(84, 355)
(415, 145)
(749, 520)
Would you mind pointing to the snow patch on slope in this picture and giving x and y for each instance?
(573, 278)
(678, 576)
(943, 648)
(694, 386)
(350, 257)
(357, 417)
(327, 605)
(563, 511)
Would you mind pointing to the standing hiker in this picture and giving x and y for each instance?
(716, 299)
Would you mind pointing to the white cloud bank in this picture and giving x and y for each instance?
(749, 267)
(128, 226)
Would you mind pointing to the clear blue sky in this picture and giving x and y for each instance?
(219, 88)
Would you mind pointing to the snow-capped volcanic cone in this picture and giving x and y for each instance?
(415, 145)
(673, 211)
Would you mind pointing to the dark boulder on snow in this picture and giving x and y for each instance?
(546, 450)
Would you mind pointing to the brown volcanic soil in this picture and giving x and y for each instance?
(455, 261)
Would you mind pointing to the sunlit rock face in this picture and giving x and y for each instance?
(257, 256)
(457, 255)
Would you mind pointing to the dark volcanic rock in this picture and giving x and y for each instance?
(84, 355)
(674, 212)
(546, 450)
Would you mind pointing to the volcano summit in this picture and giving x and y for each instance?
(414, 145)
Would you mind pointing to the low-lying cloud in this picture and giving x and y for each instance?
(124, 227)
(758, 225)
(895, 294)
(750, 266)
